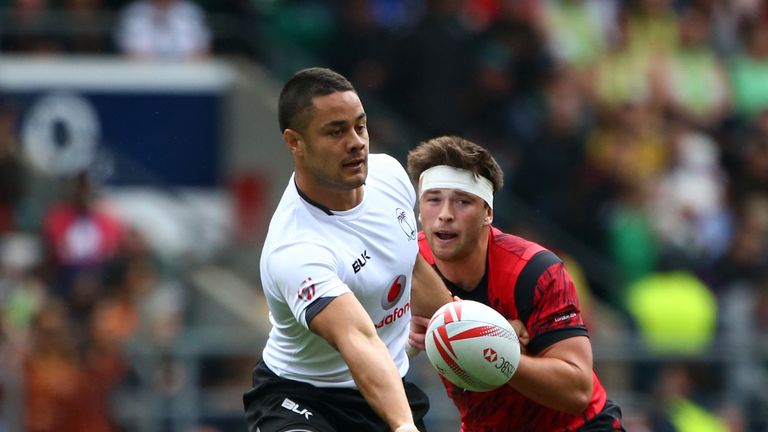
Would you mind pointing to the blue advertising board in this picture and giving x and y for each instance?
(159, 124)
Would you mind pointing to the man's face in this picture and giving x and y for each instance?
(334, 145)
(453, 222)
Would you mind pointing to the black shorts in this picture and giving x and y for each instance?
(607, 420)
(277, 404)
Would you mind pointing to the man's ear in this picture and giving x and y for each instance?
(488, 216)
(293, 140)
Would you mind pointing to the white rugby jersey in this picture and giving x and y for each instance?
(369, 250)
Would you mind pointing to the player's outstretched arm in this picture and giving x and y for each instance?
(428, 292)
(560, 377)
(348, 328)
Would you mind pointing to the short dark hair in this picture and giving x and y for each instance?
(297, 94)
(456, 152)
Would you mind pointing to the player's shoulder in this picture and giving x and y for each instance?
(292, 222)
(384, 165)
(384, 159)
(289, 245)
(505, 243)
(424, 249)
(386, 172)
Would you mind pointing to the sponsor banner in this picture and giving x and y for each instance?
(146, 124)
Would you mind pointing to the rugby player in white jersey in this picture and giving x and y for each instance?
(337, 268)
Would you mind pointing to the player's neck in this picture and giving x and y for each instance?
(329, 198)
(466, 272)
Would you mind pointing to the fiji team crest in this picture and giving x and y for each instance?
(408, 226)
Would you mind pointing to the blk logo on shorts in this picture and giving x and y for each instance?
(294, 407)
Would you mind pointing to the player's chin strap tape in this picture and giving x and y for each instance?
(525, 287)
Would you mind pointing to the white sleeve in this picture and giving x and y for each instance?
(302, 273)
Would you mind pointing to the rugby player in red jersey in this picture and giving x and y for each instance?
(554, 387)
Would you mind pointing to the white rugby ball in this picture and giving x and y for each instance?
(472, 345)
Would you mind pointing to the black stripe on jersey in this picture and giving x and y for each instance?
(304, 196)
(316, 307)
(551, 337)
(525, 287)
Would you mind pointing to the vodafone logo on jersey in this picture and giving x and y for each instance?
(393, 316)
(394, 293)
(389, 299)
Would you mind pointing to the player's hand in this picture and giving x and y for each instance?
(408, 427)
(418, 331)
(522, 333)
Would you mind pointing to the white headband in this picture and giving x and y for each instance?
(448, 177)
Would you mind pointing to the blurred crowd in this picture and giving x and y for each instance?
(637, 127)
(78, 287)
(640, 128)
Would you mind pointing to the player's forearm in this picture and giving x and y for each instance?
(377, 378)
(554, 383)
(428, 292)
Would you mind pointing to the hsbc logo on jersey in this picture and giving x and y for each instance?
(307, 289)
(394, 293)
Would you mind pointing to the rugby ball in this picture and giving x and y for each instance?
(472, 345)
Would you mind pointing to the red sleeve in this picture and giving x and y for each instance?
(556, 314)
